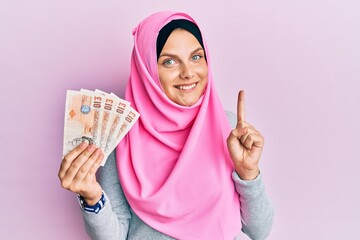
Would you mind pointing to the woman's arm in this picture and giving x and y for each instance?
(112, 222)
(257, 212)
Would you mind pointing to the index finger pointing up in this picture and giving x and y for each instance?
(241, 106)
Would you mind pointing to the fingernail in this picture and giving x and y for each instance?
(91, 146)
(83, 144)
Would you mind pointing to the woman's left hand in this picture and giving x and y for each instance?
(245, 145)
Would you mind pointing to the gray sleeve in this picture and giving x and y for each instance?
(232, 118)
(257, 212)
(112, 222)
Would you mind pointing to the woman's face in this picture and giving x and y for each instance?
(182, 68)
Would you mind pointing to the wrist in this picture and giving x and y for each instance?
(248, 174)
(91, 201)
(95, 207)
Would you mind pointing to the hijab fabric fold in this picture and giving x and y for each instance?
(174, 166)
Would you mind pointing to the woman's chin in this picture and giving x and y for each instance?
(187, 102)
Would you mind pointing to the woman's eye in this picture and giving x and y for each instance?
(196, 57)
(169, 62)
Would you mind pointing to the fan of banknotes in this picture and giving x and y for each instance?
(98, 118)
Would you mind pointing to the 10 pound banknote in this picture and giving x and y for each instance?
(97, 117)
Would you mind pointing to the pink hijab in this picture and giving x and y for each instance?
(174, 165)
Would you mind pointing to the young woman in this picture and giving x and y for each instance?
(181, 172)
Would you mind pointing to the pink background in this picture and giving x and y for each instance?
(299, 62)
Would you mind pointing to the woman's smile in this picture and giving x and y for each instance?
(187, 87)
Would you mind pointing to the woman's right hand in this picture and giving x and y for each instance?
(78, 172)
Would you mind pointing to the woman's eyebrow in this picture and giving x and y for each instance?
(174, 55)
(198, 49)
(167, 55)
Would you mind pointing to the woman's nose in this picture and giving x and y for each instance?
(186, 72)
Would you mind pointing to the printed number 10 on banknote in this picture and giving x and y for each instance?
(96, 117)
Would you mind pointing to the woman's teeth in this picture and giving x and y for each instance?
(186, 87)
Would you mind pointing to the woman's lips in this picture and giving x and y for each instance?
(187, 87)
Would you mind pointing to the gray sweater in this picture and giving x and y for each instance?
(117, 221)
